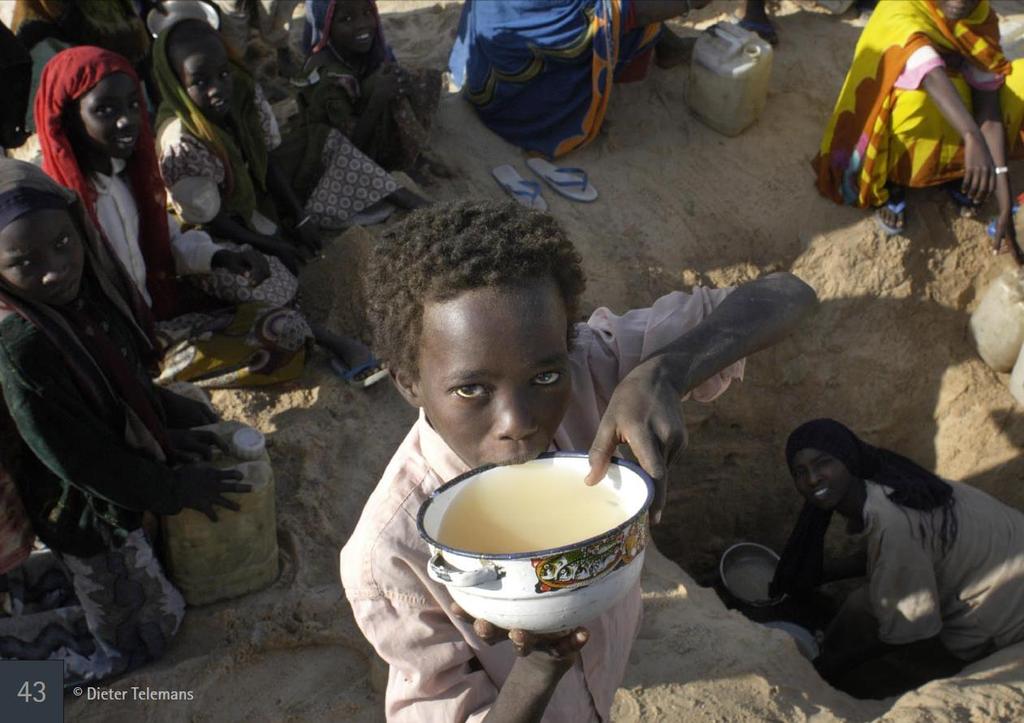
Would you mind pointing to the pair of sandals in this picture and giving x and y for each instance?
(897, 206)
(572, 183)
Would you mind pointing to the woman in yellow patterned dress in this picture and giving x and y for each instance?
(930, 99)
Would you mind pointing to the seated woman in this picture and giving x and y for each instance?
(100, 440)
(540, 74)
(354, 84)
(928, 100)
(215, 131)
(944, 561)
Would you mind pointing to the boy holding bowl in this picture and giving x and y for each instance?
(473, 306)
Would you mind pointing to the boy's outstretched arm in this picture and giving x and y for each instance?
(644, 411)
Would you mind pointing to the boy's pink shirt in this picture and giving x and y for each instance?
(439, 669)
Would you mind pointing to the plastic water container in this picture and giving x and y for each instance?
(729, 76)
(1017, 378)
(997, 325)
(210, 561)
(1011, 38)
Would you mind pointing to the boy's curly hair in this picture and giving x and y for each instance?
(438, 252)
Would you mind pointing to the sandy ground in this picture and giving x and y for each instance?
(889, 354)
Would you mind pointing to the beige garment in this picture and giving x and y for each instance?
(972, 596)
(439, 669)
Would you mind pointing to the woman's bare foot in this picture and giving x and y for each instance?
(890, 218)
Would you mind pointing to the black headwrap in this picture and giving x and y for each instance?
(17, 202)
(800, 569)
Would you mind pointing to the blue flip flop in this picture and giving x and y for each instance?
(525, 192)
(570, 182)
(365, 375)
(995, 222)
(958, 197)
(896, 207)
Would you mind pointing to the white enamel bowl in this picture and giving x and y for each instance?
(747, 566)
(551, 590)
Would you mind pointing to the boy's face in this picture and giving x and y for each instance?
(41, 257)
(494, 378)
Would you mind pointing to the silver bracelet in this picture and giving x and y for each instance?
(1000, 170)
(303, 222)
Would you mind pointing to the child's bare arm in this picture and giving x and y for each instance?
(644, 410)
(541, 661)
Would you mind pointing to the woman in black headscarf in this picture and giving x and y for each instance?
(945, 561)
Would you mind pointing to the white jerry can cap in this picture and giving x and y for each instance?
(248, 443)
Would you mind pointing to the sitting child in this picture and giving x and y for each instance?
(944, 565)
(354, 84)
(215, 131)
(99, 438)
(96, 140)
(474, 308)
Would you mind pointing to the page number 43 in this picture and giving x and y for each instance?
(34, 692)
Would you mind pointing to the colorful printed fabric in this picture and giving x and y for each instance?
(540, 74)
(857, 156)
(278, 289)
(257, 343)
(102, 615)
(351, 182)
(250, 345)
